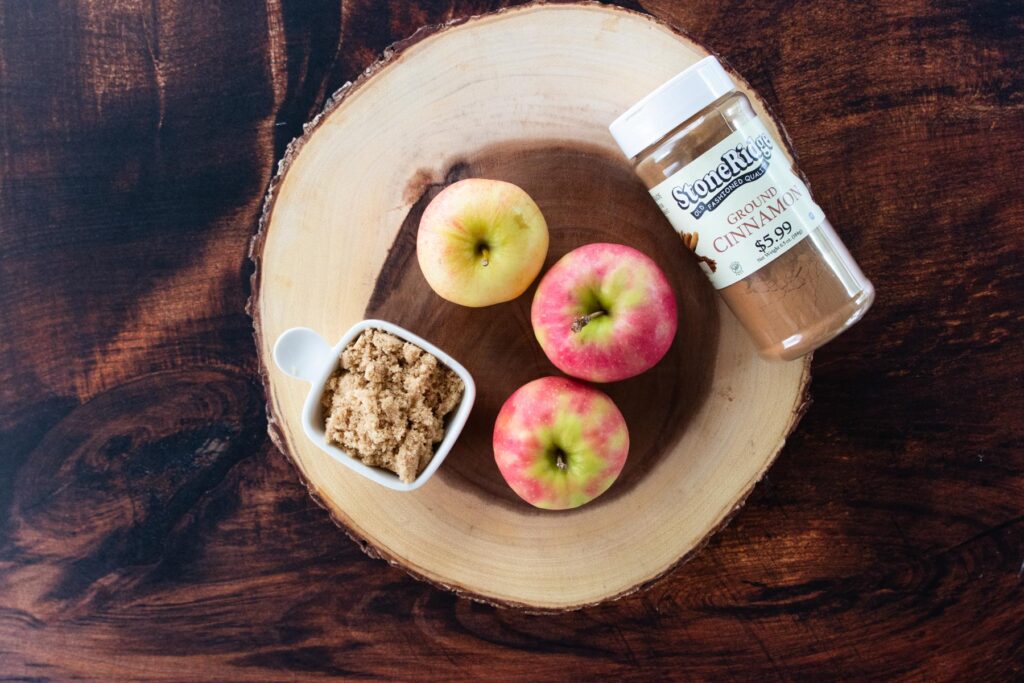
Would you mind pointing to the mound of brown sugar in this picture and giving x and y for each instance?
(387, 402)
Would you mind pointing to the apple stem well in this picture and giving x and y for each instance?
(581, 322)
(558, 457)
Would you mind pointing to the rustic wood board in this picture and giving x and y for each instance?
(525, 96)
(149, 529)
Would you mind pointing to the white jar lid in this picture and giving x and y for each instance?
(673, 102)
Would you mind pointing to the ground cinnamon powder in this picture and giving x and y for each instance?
(797, 297)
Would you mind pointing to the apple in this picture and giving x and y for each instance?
(604, 312)
(559, 443)
(481, 242)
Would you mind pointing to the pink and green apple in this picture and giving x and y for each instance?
(559, 443)
(604, 312)
(481, 242)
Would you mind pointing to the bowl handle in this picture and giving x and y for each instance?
(301, 353)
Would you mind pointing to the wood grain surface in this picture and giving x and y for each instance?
(337, 245)
(149, 530)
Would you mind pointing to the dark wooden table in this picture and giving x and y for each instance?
(148, 528)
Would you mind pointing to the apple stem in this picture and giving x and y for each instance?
(560, 462)
(582, 321)
(486, 253)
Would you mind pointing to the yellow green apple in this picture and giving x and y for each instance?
(481, 242)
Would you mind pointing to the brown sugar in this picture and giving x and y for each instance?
(387, 402)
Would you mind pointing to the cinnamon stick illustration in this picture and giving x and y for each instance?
(690, 241)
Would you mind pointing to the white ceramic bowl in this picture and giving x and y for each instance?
(303, 354)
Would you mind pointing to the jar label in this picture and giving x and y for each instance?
(739, 206)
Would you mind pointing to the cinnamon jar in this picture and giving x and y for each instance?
(729, 190)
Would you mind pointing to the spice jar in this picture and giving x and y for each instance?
(729, 190)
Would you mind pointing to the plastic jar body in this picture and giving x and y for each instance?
(801, 299)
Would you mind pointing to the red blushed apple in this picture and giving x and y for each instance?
(559, 443)
(604, 312)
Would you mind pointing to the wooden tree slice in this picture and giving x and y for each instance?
(526, 96)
